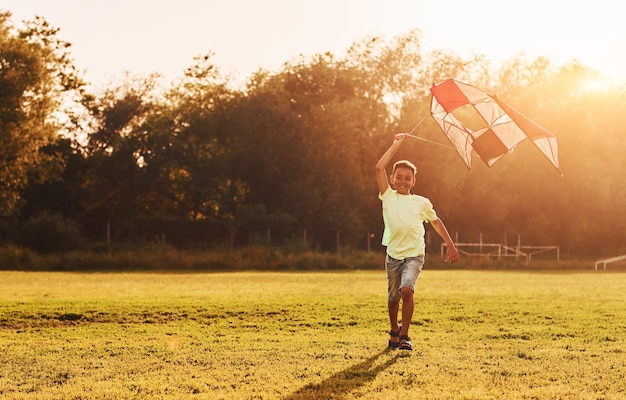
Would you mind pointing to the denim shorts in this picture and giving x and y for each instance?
(402, 273)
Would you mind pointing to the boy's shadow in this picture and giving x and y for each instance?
(344, 382)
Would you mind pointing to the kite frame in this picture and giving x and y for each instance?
(505, 126)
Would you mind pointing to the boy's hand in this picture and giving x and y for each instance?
(452, 254)
(399, 136)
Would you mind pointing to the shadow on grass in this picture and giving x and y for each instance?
(340, 384)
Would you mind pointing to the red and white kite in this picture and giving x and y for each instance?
(497, 127)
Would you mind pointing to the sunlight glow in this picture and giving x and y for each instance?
(165, 36)
(597, 84)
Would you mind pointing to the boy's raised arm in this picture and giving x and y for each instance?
(381, 165)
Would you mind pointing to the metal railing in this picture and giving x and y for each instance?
(610, 260)
(499, 251)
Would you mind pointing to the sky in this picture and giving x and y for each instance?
(110, 37)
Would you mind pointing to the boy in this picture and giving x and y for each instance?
(404, 215)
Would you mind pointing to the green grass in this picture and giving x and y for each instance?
(312, 335)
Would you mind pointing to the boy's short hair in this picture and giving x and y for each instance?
(404, 164)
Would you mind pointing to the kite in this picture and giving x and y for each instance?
(490, 127)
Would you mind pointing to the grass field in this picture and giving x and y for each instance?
(269, 335)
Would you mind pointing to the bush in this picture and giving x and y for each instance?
(14, 257)
(50, 233)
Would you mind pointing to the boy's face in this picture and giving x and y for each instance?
(403, 180)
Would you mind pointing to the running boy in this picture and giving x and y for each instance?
(404, 215)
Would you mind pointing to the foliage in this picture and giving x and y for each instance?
(159, 255)
(196, 166)
(36, 76)
(113, 183)
(50, 233)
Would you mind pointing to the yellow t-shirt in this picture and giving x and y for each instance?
(404, 217)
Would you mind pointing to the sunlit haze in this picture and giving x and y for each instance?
(163, 36)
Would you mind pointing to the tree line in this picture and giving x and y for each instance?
(290, 154)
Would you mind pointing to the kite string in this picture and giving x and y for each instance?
(425, 140)
(415, 127)
(430, 141)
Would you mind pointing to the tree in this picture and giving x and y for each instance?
(299, 141)
(36, 76)
(191, 146)
(114, 181)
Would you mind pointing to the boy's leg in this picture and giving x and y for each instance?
(393, 307)
(394, 278)
(407, 310)
(411, 271)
